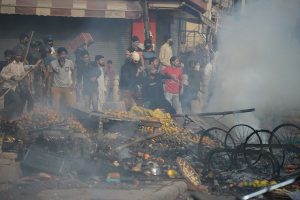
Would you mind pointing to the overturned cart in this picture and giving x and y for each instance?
(267, 153)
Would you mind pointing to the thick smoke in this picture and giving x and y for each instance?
(258, 63)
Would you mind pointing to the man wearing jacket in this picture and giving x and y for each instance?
(129, 79)
(153, 92)
(90, 73)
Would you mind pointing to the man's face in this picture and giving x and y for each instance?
(135, 44)
(62, 56)
(170, 41)
(109, 65)
(101, 62)
(25, 40)
(18, 58)
(155, 63)
(177, 63)
(86, 59)
(50, 43)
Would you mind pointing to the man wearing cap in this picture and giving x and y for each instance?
(48, 41)
(130, 78)
(137, 47)
(166, 51)
(14, 76)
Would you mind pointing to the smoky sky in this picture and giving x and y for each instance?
(258, 62)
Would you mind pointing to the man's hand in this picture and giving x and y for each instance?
(38, 62)
(141, 69)
(16, 78)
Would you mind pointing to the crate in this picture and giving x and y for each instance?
(40, 159)
(81, 40)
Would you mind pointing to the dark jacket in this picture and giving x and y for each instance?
(88, 72)
(128, 78)
(195, 80)
(153, 93)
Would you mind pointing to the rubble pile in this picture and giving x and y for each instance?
(44, 127)
(136, 152)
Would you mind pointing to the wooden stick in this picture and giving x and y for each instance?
(138, 140)
(28, 46)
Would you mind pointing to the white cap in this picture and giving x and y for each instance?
(135, 56)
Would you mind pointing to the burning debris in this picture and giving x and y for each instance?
(209, 161)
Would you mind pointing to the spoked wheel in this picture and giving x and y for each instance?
(211, 138)
(253, 148)
(237, 135)
(266, 167)
(219, 160)
(284, 142)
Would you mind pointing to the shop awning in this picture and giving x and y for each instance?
(73, 8)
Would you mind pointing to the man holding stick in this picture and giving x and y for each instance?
(15, 76)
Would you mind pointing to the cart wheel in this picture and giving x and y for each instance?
(253, 148)
(266, 167)
(219, 160)
(285, 140)
(237, 135)
(211, 138)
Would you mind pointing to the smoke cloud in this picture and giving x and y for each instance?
(258, 63)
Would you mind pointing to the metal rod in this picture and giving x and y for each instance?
(270, 188)
(218, 113)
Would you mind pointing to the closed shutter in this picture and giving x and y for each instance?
(111, 41)
(111, 36)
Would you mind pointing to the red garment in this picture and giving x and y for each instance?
(171, 85)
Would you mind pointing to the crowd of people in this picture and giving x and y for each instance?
(39, 72)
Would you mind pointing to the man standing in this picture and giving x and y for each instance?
(109, 79)
(129, 79)
(166, 52)
(63, 79)
(153, 92)
(8, 88)
(90, 73)
(172, 86)
(102, 90)
(23, 42)
(14, 76)
(137, 47)
(207, 82)
(48, 41)
(37, 76)
(154, 64)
